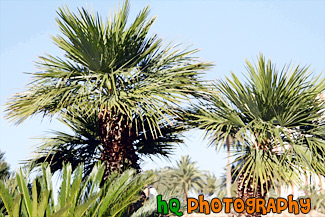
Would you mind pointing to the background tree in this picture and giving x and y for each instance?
(222, 187)
(211, 185)
(130, 79)
(276, 119)
(183, 178)
(317, 197)
(4, 167)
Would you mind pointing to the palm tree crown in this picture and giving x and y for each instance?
(129, 78)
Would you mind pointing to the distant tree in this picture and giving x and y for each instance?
(183, 178)
(164, 181)
(211, 185)
(4, 167)
(317, 197)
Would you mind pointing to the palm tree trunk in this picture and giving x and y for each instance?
(228, 177)
(247, 190)
(118, 150)
(185, 195)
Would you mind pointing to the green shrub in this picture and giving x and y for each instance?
(76, 196)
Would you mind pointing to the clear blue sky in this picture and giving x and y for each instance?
(227, 32)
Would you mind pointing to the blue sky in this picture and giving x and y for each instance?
(227, 32)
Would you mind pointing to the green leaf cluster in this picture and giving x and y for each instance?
(76, 197)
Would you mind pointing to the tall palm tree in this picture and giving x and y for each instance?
(127, 77)
(276, 118)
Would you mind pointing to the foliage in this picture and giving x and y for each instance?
(221, 187)
(211, 185)
(76, 197)
(149, 208)
(221, 191)
(84, 145)
(182, 178)
(4, 173)
(4, 167)
(276, 117)
(317, 197)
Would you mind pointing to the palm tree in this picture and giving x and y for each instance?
(164, 181)
(275, 117)
(129, 79)
(184, 177)
(4, 167)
